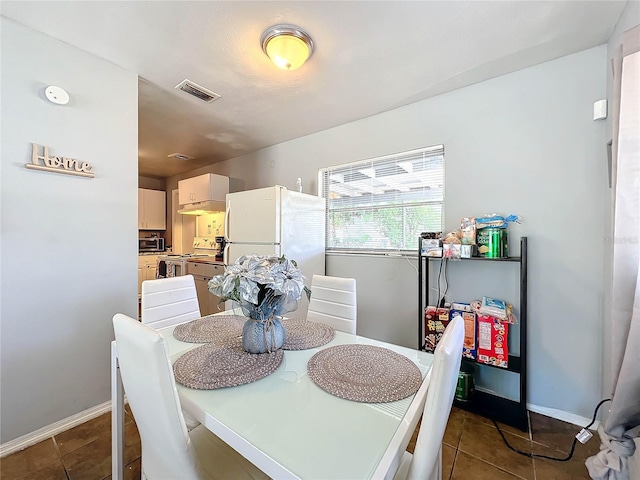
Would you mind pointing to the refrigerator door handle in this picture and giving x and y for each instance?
(225, 254)
(226, 222)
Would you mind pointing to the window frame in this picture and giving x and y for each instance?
(324, 191)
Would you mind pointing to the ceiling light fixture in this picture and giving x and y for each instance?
(287, 46)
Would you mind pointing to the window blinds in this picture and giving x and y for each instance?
(384, 203)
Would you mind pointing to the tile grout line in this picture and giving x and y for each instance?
(57, 447)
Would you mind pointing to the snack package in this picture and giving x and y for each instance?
(451, 250)
(468, 229)
(494, 307)
(453, 237)
(495, 220)
(469, 346)
(492, 341)
(431, 247)
(435, 321)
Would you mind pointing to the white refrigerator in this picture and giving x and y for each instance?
(275, 220)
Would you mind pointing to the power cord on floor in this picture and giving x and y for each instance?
(573, 445)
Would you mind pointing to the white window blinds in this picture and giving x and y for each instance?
(383, 204)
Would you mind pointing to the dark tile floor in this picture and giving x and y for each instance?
(472, 450)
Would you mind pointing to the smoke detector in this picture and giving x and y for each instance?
(180, 156)
(197, 91)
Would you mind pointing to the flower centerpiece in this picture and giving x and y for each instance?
(265, 287)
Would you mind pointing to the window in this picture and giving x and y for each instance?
(383, 204)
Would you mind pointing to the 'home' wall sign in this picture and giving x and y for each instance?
(70, 166)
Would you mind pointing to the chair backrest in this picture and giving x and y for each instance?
(333, 302)
(169, 301)
(442, 387)
(150, 386)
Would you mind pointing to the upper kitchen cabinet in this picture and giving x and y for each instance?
(152, 209)
(203, 188)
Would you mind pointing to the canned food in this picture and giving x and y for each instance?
(492, 242)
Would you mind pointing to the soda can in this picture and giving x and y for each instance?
(465, 386)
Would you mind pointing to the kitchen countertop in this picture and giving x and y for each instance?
(208, 260)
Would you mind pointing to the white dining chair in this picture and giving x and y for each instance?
(333, 302)
(169, 301)
(426, 461)
(169, 451)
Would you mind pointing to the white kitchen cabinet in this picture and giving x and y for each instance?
(147, 269)
(203, 188)
(152, 210)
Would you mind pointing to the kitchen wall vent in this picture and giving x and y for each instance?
(180, 156)
(197, 91)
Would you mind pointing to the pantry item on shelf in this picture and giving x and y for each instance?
(452, 237)
(435, 321)
(468, 229)
(493, 341)
(493, 242)
(469, 346)
(431, 247)
(452, 250)
(495, 220)
(494, 307)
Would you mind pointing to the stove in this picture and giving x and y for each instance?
(175, 264)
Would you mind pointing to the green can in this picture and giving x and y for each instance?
(465, 386)
(492, 242)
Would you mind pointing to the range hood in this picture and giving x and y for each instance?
(203, 208)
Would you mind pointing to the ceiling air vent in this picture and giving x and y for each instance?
(197, 91)
(180, 156)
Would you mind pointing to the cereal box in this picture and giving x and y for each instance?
(435, 321)
(492, 341)
(469, 346)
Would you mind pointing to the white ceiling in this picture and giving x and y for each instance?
(369, 57)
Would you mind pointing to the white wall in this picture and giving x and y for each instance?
(523, 143)
(68, 243)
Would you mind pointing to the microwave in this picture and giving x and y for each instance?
(151, 244)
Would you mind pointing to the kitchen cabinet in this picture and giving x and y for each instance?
(202, 273)
(203, 188)
(152, 209)
(486, 403)
(147, 269)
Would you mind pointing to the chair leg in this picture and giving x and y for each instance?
(437, 468)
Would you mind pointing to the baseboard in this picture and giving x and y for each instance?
(564, 416)
(32, 438)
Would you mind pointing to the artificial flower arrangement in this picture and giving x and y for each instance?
(265, 287)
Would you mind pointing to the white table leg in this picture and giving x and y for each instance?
(117, 418)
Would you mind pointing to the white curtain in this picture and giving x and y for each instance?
(623, 423)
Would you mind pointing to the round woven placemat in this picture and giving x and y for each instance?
(213, 328)
(212, 366)
(364, 373)
(302, 334)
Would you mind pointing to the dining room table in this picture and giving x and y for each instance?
(287, 425)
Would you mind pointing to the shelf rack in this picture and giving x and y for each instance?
(499, 408)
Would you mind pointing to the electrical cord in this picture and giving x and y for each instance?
(439, 276)
(573, 445)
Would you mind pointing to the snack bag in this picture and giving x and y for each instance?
(468, 229)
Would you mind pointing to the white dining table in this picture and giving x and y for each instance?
(288, 426)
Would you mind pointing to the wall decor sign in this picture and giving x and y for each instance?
(41, 160)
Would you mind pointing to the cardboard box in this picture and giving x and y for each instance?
(469, 346)
(435, 321)
(492, 341)
(431, 247)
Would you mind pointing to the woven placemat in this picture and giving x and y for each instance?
(364, 373)
(302, 334)
(212, 328)
(214, 366)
